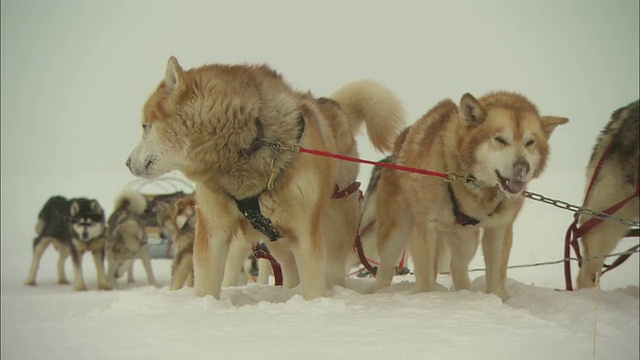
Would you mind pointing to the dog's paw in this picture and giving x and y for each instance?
(104, 287)
(30, 283)
(80, 287)
(63, 281)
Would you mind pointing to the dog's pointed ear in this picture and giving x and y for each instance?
(471, 112)
(75, 207)
(95, 207)
(549, 123)
(174, 75)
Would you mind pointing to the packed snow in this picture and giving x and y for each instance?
(75, 75)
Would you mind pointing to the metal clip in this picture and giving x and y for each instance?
(274, 173)
(449, 176)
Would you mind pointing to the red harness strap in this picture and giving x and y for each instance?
(260, 253)
(339, 194)
(358, 246)
(574, 232)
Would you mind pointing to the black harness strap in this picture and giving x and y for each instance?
(250, 208)
(461, 218)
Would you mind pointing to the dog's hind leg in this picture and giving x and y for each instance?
(238, 252)
(183, 270)
(424, 253)
(284, 256)
(598, 242)
(391, 239)
(341, 230)
(130, 277)
(463, 246)
(40, 244)
(146, 262)
(64, 254)
(264, 270)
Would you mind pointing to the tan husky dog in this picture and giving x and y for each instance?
(498, 143)
(234, 129)
(617, 179)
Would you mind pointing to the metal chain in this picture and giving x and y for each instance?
(554, 262)
(577, 209)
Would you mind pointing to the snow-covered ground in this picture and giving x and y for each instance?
(137, 321)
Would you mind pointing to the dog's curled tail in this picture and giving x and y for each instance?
(377, 106)
(131, 200)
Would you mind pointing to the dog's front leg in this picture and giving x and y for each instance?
(496, 246)
(40, 244)
(310, 254)
(463, 246)
(77, 251)
(146, 262)
(64, 254)
(98, 258)
(210, 252)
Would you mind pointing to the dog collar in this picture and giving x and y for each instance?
(461, 218)
(259, 141)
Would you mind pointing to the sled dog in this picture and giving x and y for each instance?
(234, 131)
(127, 238)
(617, 179)
(498, 143)
(184, 220)
(164, 208)
(73, 226)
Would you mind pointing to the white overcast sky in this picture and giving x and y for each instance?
(75, 73)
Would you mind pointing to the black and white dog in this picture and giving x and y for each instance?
(73, 226)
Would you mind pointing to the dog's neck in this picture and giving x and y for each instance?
(485, 201)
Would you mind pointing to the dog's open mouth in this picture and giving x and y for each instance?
(510, 186)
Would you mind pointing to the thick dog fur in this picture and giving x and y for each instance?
(500, 141)
(73, 226)
(368, 229)
(212, 122)
(127, 238)
(616, 181)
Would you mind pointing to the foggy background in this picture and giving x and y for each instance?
(75, 75)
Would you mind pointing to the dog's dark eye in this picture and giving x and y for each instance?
(501, 140)
(530, 142)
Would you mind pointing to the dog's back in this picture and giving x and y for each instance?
(54, 219)
(622, 158)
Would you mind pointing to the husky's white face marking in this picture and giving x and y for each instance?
(86, 229)
(153, 157)
(510, 158)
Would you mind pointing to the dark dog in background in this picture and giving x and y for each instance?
(73, 226)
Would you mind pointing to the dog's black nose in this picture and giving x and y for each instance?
(128, 163)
